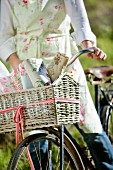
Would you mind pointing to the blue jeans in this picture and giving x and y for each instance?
(39, 154)
(101, 150)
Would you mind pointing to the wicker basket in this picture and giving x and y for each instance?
(44, 106)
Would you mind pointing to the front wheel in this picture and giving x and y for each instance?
(51, 160)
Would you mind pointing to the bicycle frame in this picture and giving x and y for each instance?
(97, 98)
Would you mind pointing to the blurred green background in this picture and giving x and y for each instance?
(100, 13)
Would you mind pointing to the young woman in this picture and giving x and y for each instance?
(40, 29)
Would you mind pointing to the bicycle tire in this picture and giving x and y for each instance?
(71, 153)
(107, 121)
(110, 126)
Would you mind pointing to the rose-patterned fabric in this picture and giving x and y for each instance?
(43, 32)
(44, 35)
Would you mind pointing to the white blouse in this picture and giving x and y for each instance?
(75, 10)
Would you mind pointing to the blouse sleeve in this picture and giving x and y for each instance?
(7, 33)
(79, 20)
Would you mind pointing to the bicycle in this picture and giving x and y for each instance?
(63, 150)
(102, 79)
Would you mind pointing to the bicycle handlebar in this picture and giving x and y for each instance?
(86, 50)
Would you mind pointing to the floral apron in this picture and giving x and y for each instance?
(43, 30)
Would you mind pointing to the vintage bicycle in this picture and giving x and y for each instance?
(47, 109)
(101, 77)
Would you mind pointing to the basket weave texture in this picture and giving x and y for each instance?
(42, 107)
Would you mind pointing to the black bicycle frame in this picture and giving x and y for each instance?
(97, 98)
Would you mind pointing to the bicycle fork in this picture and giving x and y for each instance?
(62, 148)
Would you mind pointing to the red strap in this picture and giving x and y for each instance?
(17, 120)
(19, 127)
(19, 123)
(30, 159)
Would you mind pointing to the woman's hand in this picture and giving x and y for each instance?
(98, 53)
(14, 60)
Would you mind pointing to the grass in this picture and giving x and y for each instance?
(5, 155)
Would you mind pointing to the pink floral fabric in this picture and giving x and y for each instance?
(30, 73)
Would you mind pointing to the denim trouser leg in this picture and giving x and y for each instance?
(101, 150)
(39, 150)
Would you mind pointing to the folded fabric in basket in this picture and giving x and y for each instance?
(57, 66)
(20, 79)
(6, 84)
(30, 73)
(37, 72)
(33, 73)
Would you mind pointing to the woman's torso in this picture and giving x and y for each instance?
(42, 28)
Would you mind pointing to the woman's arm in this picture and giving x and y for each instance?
(99, 54)
(7, 35)
(79, 20)
(14, 60)
(82, 35)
